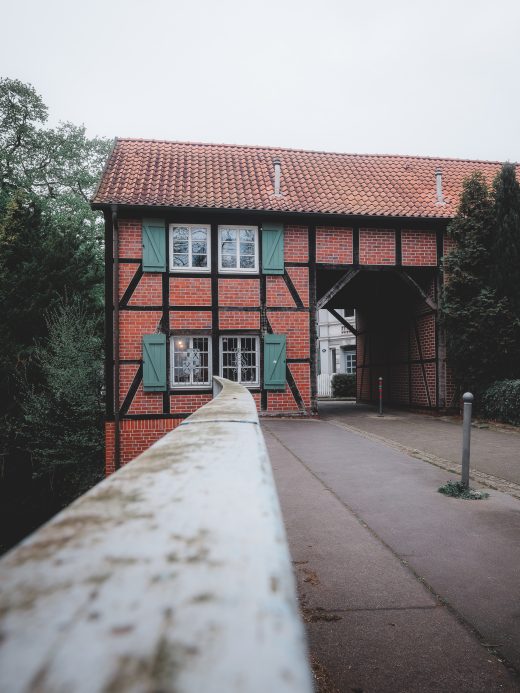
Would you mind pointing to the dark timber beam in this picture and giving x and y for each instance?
(340, 284)
(342, 320)
(415, 286)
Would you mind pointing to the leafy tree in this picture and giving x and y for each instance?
(482, 330)
(63, 414)
(59, 165)
(506, 232)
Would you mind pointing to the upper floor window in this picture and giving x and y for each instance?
(189, 247)
(238, 248)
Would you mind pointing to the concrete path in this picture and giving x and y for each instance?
(402, 588)
(493, 451)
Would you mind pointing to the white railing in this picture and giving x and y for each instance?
(324, 385)
(171, 575)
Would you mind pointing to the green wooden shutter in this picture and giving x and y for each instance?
(272, 249)
(274, 362)
(154, 362)
(154, 245)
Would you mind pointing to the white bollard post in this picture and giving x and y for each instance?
(466, 437)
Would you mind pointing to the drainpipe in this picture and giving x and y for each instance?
(117, 431)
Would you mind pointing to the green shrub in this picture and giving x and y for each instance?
(456, 489)
(501, 401)
(343, 385)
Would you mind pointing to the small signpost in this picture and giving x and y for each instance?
(466, 437)
(380, 396)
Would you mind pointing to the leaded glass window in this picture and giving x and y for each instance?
(239, 359)
(190, 361)
(189, 247)
(238, 248)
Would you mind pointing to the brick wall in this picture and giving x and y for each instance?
(190, 291)
(302, 377)
(296, 247)
(296, 327)
(300, 279)
(181, 403)
(419, 248)
(143, 402)
(239, 292)
(277, 293)
(334, 245)
(132, 326)
(376, 247)
(186, 320)
(281, 401)
(136, 436)
(239, 320)
(148, 291)
(130, 238)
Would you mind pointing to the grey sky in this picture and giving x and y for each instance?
(434, 77)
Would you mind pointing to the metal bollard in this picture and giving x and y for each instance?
(380, 396)
(466, 437)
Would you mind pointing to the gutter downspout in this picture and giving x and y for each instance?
(117, 429)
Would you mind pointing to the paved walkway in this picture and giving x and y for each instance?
(402, 588)
(493, 451)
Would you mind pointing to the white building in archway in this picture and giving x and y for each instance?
(336, 344)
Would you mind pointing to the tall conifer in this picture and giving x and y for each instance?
(506, 235)
(481, 329)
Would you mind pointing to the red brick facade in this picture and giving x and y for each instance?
(190, 292)
(213, 305)
(334, 245)
(376, 247)
(419, 248)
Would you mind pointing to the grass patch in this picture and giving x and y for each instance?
(455, 489)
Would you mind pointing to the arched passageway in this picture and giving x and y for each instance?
(398, 336)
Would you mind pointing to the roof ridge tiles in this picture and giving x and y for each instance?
(297, 150)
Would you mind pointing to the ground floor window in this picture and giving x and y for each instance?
(349, 360)
(239, 359)
(190, 361)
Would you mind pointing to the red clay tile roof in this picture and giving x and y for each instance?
(219, 176)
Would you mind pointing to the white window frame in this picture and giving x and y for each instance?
(258, 356)
(190, 267)
(191, 385)
(237, 270)
(350, 356)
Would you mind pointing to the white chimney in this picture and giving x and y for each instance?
(277, 176)
(438, 183)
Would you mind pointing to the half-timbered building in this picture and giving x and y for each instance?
(218, 257)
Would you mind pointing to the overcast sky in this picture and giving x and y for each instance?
(426, 77)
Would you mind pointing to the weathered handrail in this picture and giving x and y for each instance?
(171, 575)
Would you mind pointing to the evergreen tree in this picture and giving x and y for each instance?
(40, 265)
(50, 240)
(506, 241)
(63, 414)
(482, 332)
